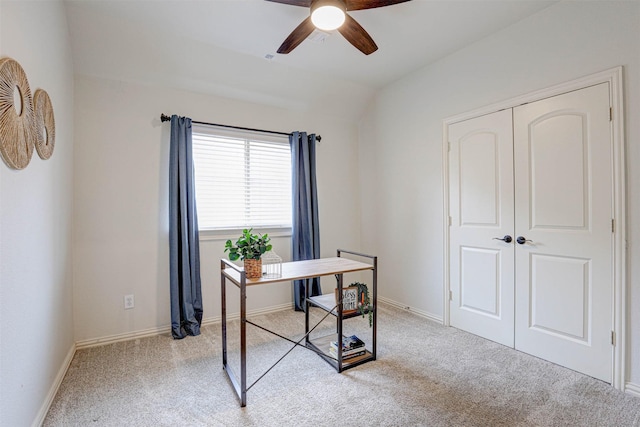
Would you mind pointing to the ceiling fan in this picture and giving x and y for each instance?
(330, 15)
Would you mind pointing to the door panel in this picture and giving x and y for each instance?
(557, 174)
(563, 205)
(479, 189)
(559, 285)
(481, 207)
(481, 296)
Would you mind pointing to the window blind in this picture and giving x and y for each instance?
(242, 180)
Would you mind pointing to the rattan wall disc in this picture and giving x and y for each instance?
(45, 124)
(17, 129)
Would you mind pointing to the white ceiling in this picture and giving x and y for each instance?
(219, 46)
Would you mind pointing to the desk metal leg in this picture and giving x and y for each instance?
(243, 341)
(375, 305)
(223, 309)
(340, 319)
(306, 310)
(240, 388)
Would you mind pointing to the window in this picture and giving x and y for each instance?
(243, 180)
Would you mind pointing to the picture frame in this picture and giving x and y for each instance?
(350, 299)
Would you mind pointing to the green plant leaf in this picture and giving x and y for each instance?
(248, 246)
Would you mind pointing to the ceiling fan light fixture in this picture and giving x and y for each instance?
(328, 15)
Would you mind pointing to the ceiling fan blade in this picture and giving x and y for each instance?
(357, 36)
(369, 4)
(303, 3)
(297, 36)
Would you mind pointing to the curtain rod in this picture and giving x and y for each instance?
(165, 118)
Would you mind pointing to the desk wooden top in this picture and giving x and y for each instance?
(296, 270)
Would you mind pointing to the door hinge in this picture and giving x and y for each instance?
(613, 225)
(610, 113)
(450, 295)
(449, 220)
(613, 338)
(448, 146)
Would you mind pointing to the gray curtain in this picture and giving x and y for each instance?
(184, 250)
(305, 236)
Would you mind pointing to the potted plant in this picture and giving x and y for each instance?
(249, 248)
(364, 302)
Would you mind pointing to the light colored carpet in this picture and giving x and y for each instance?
(425, 375)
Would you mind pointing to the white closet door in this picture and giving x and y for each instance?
(563, 192)
(481, 207)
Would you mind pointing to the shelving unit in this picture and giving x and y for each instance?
(327, 302)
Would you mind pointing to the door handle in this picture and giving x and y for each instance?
(521, 240)
(506, 239)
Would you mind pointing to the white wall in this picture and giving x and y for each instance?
(36, 324)
(401, 136)
(121, 190)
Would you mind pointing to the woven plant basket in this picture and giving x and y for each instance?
(253, 268)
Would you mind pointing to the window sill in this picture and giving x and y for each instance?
(235, 233)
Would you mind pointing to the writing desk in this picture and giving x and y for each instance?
(296, 270)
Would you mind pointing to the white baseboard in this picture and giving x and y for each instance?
(234, 316)
(414, 310)
(127, 336)
(42, 413)
(632, 389)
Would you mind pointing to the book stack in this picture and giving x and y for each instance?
(351, 347)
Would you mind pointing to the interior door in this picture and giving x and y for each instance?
(563, 208)
(481, 208)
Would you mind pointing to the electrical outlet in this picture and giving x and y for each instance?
(128, 302)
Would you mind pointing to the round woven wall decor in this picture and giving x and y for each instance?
(45, 124)
(17, 129)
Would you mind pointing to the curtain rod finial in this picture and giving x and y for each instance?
(164, 118)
